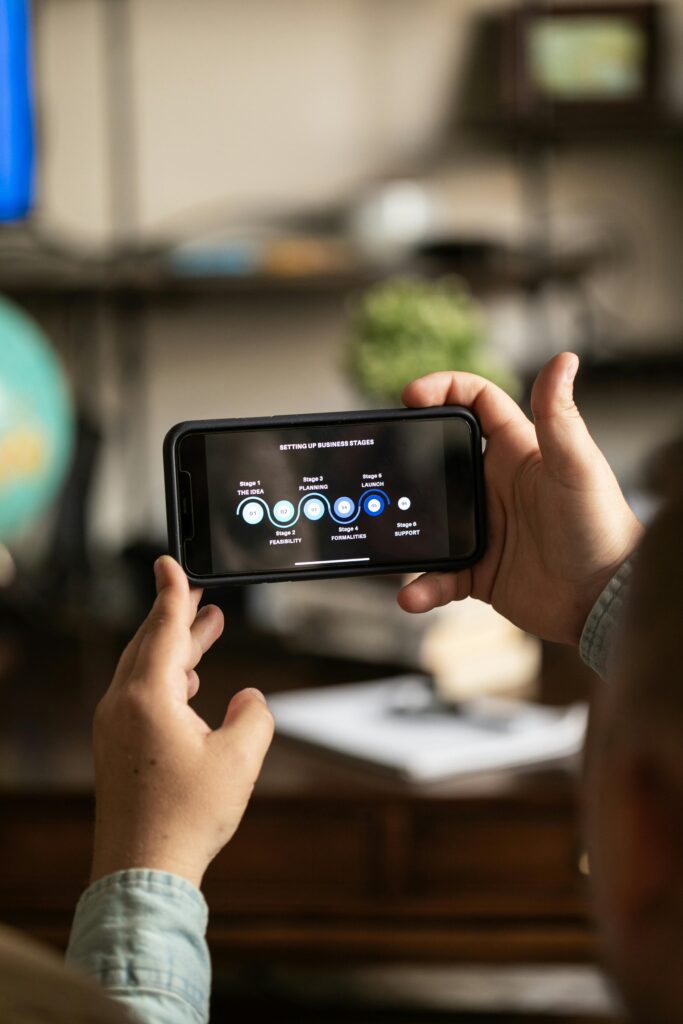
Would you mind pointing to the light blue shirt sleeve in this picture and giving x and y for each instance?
(141, 934)
(597, 639)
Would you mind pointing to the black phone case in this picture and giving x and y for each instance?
(378, 415)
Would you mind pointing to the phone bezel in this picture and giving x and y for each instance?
(173, 512)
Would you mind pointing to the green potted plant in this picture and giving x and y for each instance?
(406, 327)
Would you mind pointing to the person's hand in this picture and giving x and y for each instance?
(170, 792)
(558, 524)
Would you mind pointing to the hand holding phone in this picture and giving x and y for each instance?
(171, 791)
(558, 525)
(313, 496)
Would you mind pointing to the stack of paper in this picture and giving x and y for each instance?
(397, 724)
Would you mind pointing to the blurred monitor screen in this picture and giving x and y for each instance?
(592, 57)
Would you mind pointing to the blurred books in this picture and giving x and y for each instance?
(466, 647)
(399, 725)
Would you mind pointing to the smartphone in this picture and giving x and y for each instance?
(313, 496)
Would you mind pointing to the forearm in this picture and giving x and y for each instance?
(598, 636)
(141, 934)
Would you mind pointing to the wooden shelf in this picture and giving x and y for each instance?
(486, 271)
(113, 279)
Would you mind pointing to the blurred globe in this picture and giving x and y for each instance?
(36, 427)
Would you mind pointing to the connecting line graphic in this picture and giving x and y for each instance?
(314, 494)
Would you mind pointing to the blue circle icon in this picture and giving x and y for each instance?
(374, 505)
(344, 507)
(252, 513)
(314, 509)
(283, 511)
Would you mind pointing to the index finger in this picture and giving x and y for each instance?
(494, 409)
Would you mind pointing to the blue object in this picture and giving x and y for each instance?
(140, 933)
(374, 504)
(344, 507)
(36, 428)
(231, 258)
(16, 111)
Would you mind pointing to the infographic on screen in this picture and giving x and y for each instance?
(328, 496)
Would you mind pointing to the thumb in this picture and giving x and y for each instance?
(247, 730)
(567, 448)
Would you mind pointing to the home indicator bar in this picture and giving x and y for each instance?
(330, 561)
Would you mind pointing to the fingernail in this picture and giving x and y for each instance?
(572, 369)
(157, 568)
(253, 692)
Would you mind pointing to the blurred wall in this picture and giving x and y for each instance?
(228, 106)
(234, 104)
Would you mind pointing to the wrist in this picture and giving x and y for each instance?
(594, 588)
(110, 858)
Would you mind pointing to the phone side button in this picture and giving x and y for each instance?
(186, 510)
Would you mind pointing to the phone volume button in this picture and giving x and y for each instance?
(186, 510)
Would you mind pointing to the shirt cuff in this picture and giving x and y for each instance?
(141, 934)
(597, 639)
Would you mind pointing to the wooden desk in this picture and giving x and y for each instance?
(331, 864)
(331, 861)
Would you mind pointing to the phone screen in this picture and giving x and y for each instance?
(365, 495)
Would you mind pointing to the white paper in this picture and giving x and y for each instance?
(391, 723)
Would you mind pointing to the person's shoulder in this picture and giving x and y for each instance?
(35, 986)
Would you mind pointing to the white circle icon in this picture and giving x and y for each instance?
(343, 507)
(404, 504)
(374, 505)
(252, 512)
(283, 511)
(314, 509)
